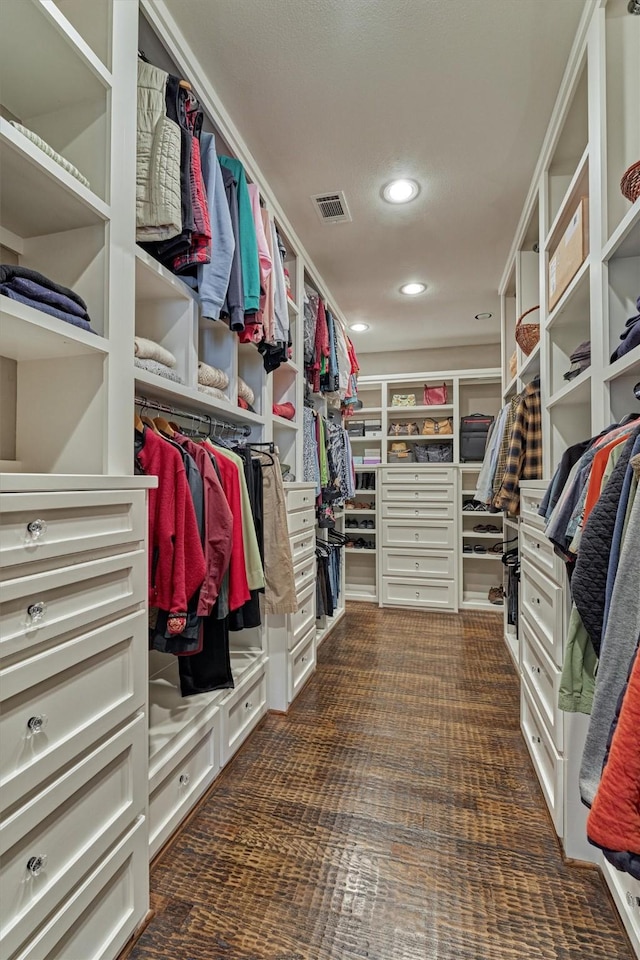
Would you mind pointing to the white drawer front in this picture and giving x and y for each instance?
(51, 711)
(304, 573)
(302, 662)
(418, 563)
(301, 520)
(437, 534)
(544, 681)
(541, 601)
(546, 760)
(243, 712)
(407, 476)
(72, 823)
(99, 916)
(440, 594)
(35, 526)
(530, 501)
(300, 499)
(39, 608)
(303, 545)
(301, 621)
(536, 548)
(423, 511)
(192, 770)
(410, 493)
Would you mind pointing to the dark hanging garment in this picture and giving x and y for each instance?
(233, 306)
(211, 668)
(248, 616)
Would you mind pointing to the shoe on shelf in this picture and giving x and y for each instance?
(467, 548)
(479, 548)
(360, 544)
(469, 506)
(497, 548)
(369, 545)
(496, 596)
(350, 522)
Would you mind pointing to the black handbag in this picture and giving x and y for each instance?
(474, 431)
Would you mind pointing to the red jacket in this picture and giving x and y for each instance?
(176, 561)
(239, 591)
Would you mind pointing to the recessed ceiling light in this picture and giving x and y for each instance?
(401, 191)
(413, 289)
(483, 316)
(358, 327)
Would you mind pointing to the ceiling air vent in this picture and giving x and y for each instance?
(332, 207)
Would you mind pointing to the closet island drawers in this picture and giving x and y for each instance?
(242, 710)
(417, 511)
(407, 494)
(543, 678)
(301, 521)
(541, 602)
(304, 573)
(531, 494)
(425, 476)
(440, 594)
(305, 616)
(535, 546)
(423, 533)
(303, 545)
(548, 763)
(52, 842)
(37, 526)
(302, 662)
(418, 563)
(300, 499)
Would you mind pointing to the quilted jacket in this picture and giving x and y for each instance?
(589, 581)
(158, 203)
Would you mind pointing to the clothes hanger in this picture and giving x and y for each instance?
(164, 426)
(148, 422)
(137, 423)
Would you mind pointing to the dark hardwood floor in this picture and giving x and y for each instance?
(392, 815)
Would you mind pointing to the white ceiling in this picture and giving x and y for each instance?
(347, 94)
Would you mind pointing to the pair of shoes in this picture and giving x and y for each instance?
(479, 548)
(367, 525)
(496, 596)
(351, 522)
(467, 548)
(474, 505)
(369, 544)
(486, 528)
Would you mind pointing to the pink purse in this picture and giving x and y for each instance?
(435, 396)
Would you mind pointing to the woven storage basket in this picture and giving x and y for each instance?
(630, 183)
(527, 334)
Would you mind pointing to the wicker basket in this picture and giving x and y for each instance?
(630, 183)
(527, 334)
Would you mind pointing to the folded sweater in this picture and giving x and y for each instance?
(36, 291)
(9, 271)
(7, 291)
(159, 369)
(212, 376)
(245, 392)
(50, 152)
(213, 392)
(150, 350)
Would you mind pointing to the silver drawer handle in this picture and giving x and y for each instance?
(535, 669)
(416, 536)
(305, 499)
(184, 780)
(535, 739)
(417, 513)
(535, 600)
(248, 705)
(304, 520)
(35, 865)
(417, 564)
(417, 594)
(37, 529)
(304, 659)
(36, 611)
(37, 723)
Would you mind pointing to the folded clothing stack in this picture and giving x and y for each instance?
(156, 359)
(630, 336)
(213, 392)
(50, 152)
(285, 410)
(245, 394)
(37, 291)
(212, 377)
(580, 360)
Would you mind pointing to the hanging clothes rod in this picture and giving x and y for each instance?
(242, 429)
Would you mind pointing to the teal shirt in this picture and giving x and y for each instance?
(248, 239)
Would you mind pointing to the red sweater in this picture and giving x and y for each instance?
(176, 561)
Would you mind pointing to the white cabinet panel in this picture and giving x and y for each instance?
(437, 534)
(304, 573)
(299, 499)
(440, 594)
(542, 602)
(544, 680)
(536, 548)
(546, 760)
(407, 476)
(302, 662)
(301, 520)
(305, 616)
(303, 545)
(418, 511)
(242, 712)
(439, 564)
(410, 493)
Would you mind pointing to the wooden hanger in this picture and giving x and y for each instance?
(185, 85)
(164, 426)
(137, 423)
(148, 422)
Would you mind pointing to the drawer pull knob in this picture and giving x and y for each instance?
(35, 865)
(37, 611)
(417, 513)
(417, 594)
(184, 780)
(305, 499)
(304, 659)
(248, 705)
(37, 723)
(416, 536)
(305, 521)
(417, 494)
(37, 529)
(535, 739)
(417, 564)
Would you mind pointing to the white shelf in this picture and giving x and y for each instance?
(433, 410)
(575, 392)
(578, 187)
(511, 640)
(365, 414)
(293, 307)
(511, 388)
(155, 282)
(360, 592)
(428, 438)
(350, 530)
(629, 364)
(30, 334)
(480, 513)
(578, 290)
(161, 389)
(472, 466)
(357, 512)
(283, 422)
(39, 197)
(531, 364)
(470, 535)
(482, 556)
(625, 240)
(372, 440)
(329, 624)
(480, 603)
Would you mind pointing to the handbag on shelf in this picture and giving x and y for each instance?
(435, 396)
(403, 400)
(440, 453)
(432, 426)
(403, 428)
(421, 451)
(400, 452)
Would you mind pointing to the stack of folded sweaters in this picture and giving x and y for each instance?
(150, 356)
(37, 291)
(580, 360)
(630, 336)
(212, 381)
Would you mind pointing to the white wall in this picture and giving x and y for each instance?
(422, 361)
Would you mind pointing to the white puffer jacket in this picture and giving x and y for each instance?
(158, 206)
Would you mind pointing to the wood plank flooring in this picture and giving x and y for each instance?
(392, 815)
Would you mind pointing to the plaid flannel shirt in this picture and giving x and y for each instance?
(524, 456)
(501, 464)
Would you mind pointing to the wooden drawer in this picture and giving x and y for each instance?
(38, 608)
(438, 564)
(536, 548)
(434, 534)
(302, 663)
(36, 526)
(407, 476)
(547, 762)
(542, 603)
(303, 545)
(440, 594)
(415, 511)
(400, 493)
(51, 712)
(72, 823)
(100, 916)
(301, 520)
(301, 621)
(530, 500)
(300, 499)
(304, 573)
(191, 771)
(544, 682)
(242, 711)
